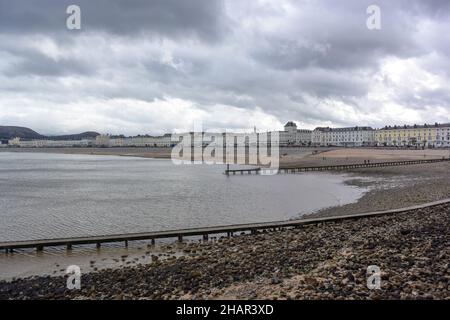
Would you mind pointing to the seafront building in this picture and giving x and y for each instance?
(17, 142)
(292, 136)
(424, 136)
(343, 137)
(139, 141)
(431, 136)
(99, 141)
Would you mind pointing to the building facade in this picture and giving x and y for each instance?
(17, 142)
(139, 141)
(291, 136)
(424, 136)
(343, 137)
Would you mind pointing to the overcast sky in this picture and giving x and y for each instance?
(158, 66)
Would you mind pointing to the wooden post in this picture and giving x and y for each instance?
(98, 245)
(180, 238)
(126, 243)
(153, 241)
(69, 246)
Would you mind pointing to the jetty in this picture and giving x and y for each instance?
(205, 232)
(338, 167)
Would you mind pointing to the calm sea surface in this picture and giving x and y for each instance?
(54, 195)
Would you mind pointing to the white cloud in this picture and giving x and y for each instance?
(116, 116)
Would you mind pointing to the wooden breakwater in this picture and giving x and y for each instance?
(204, 232)
(338, 167)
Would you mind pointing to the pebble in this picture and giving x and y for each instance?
(326, 262)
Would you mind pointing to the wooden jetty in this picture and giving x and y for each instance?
(338, 167)
(204, 232)
(242, 171)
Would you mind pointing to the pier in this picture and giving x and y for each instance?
(339, 167)
(242, 171)
(229, 231)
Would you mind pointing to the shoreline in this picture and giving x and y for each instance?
(389, 188)
(387, 197)
(289, 156)
(327, 261)
(152, 153)
(394, 187)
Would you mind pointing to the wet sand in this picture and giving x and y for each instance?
(336, 156)
(395, 187)
(289, 156)
(159, 153)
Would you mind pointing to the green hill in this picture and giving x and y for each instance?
(9, 132)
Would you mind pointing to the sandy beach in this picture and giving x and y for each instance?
(159, 153)
(289, 156)
(336, 156)
(395, 187)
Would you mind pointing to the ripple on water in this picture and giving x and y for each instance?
(57, 195)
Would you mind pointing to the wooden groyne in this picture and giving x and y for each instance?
(204, 232)
(242, 171)
(338, 167)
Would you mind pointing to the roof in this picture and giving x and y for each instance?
(415, 126)
(290, 124)
(328, 129)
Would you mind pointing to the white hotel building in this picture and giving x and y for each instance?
(344, 137)
(291, 136)
(139, 141)
(17, 142)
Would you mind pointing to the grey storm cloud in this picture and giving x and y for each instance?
(230, 63)
(160, 17)
(38, 64)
